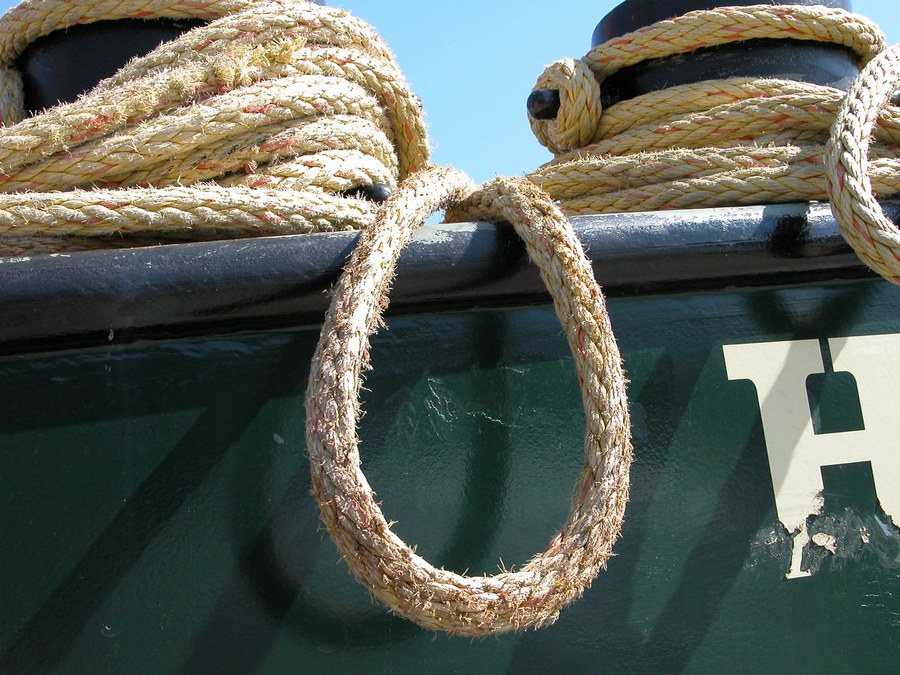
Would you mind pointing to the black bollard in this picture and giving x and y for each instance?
(803, 60)
(59, 67)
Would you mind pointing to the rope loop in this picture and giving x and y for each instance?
(874, 237)
(405, 582)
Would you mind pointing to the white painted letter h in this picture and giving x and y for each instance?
(796, 453)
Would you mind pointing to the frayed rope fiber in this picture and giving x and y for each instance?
(436, 598)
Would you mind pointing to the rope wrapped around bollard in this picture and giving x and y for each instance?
(405, 582)
(273, 118)
(723, 142)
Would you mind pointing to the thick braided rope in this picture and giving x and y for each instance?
(252, 124)
(405, 582)
(872, 235)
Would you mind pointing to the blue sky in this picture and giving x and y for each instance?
(474, 64)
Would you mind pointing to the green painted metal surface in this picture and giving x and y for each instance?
(156, 514)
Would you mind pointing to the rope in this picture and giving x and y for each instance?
(578, 123)
(258, 122)
(405, 582)
(731, 142)
(254, 124)
(872, 235)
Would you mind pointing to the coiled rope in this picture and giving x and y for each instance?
(253, 124)
(735, 141)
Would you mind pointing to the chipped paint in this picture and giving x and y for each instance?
(15, 259)
(826, 541)
(800, 540)
(835, 540)
(779, 370)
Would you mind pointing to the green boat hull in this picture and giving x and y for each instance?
(157, 516)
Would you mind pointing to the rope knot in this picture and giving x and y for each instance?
(578, 117)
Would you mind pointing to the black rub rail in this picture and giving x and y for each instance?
(81, 300)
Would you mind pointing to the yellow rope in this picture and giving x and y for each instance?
(726, 142)
(436, 598)
(578, 123)
(251, 125)
(851, 175)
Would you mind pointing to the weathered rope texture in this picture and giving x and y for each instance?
(872, 235)
(253, 124)
(725, 142)
(405, 582)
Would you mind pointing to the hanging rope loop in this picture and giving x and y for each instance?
(404, 581)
